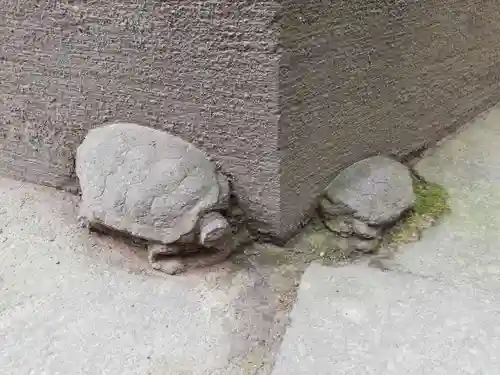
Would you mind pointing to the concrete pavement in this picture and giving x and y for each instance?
(465, 249)
(360, 320)
(78, 303)
(436, 310)
(84, 304)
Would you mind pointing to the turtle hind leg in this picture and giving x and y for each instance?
(174, 259)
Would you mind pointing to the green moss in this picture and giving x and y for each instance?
(431, 199)
(431, 203)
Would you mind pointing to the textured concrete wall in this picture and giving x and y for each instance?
(205, 70)
(365, 77)
(282, 105)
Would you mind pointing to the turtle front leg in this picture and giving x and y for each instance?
(215, 237)
(216, 253)
(165, 258)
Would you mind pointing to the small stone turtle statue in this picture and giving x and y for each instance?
(157, 187)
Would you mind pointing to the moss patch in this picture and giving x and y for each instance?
(315, 243)
(431, 203)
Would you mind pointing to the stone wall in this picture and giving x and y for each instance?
(365, 77)
(204, 70)
(283, 96)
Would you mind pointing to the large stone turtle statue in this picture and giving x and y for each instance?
(157, 187)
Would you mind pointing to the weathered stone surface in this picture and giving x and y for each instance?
(329, 209)
(218, 72)
(340, 225)
(378, 190)
(366, 246)
(318, 241)
(364, 230)
(145, 182)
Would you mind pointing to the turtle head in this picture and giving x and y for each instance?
(213, 226)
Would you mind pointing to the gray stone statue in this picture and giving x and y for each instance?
(154, 186)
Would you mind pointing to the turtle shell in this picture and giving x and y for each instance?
(146, 182)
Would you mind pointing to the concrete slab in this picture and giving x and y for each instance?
(437, 308)
(75, 303)
(359, 320)
(465, 248)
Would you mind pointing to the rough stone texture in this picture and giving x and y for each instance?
(360, 78)
(347, 226)
(377, 190)
(365, 245)
(204, 70)
(328, 209)
(364, 230)
(353, 79)
(364, 200)
(145, 182)
(352, 237)
(340, 225)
